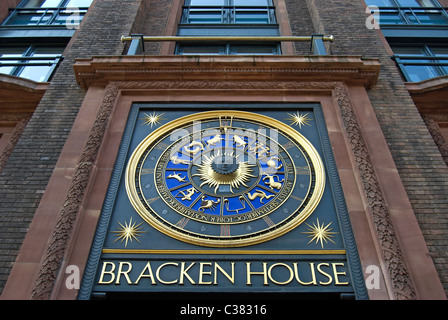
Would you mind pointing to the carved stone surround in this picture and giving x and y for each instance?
(143, 78)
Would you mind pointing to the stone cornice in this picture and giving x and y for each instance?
(104, 69)
(430, 95)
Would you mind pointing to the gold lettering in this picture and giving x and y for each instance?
(103, 272)
(313, 275)
(202, 272)
(263, 273)
(291, 274)
(122, 272)
(160, 268)
(336, 273)
(149, 275)
(330, 279)
(231, 278)
(184, 271)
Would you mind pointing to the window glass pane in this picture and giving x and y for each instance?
(380, 3)
(30, 17)
(254, 50)
(36, 72)
(251, 2)
(197, 50)
(205, 16)
(207, 2)
(426, 17)
(41, 4)
(251, 16)
(10, 53)
(78, 3)
(415, 3)
(417, 73)
(390, 17)
(442, 52)
(415, 69)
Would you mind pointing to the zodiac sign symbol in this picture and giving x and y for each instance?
(260, 149)
(238, 141)
(271, 163)
(176, 160)
(208, 204)
(186, 194)
(260, 194)
(271, 181)
(177, 177)
(241, 198)
(194, 147)
(213, 141)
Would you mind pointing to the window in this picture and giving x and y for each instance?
(418, 63)
(410, 12)
(227, 49)
(228, 11)
(30, 62)
(228, 18)
(47, 12)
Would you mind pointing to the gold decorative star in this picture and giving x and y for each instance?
(320, 233)
(128, 232)
(152, 119)
(299, 119)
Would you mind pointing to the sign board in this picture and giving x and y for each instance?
(239, 198)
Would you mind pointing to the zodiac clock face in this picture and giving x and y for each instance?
(225, 179)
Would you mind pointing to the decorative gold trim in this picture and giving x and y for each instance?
(228, 38)
(228, 242)
(226, 252)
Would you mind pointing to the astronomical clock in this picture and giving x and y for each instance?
(225, 179)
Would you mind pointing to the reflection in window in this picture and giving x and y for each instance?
(418, 63)
(228, 11)
(227, 49)
(47, 12)
(411, 12)
(34, 63)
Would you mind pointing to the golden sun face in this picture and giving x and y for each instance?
(224, 169)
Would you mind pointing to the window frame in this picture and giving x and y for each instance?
(28, 60)
(228, 48)
(428, 59)
(44, 16)
(412, 15)
(228, 13)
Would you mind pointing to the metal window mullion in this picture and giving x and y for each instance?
(228, 14)
(402, 67)
(415, 16)
(55, 14)
(403, 15)
(437, 65)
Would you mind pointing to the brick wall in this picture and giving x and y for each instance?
(420, 165)
(25, 176)
(23, 179)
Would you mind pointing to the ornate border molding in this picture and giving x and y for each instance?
(396, 262)
(57, 246)
(102, 70)
(22, 120)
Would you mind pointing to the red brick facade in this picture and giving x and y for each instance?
(413, 182)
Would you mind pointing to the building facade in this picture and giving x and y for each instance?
(230, 146)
